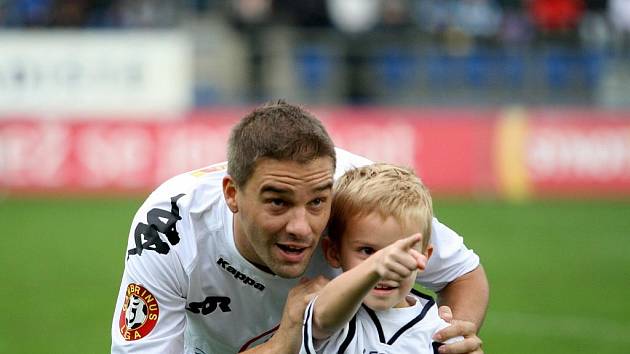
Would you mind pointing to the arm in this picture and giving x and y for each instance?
(161, 329)
(334, 311)
(467, 296)
(288, 337)
(455, 274)
(149, 316)
(395, 262)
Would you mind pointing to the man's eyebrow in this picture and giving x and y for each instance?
(274, 189)
(323, 187)
(280, 190)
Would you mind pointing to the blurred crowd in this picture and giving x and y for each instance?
(507, 20)
(387, 51)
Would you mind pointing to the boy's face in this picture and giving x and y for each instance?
(281, 212)
(365, 236)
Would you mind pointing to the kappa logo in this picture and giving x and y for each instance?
(225, 265)
(139, 313)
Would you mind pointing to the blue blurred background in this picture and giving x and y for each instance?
(394, 52)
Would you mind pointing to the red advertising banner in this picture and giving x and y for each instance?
(567, 153)
(514, 153)
(449, 149)
(105, 156)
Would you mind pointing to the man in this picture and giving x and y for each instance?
(218, 257)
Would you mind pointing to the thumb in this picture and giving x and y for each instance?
(445, 313)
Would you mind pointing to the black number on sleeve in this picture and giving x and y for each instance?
(147, 236)
(152, 242)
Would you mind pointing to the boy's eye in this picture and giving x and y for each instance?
(366, 250)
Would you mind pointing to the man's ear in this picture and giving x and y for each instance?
(331, 252)
(229, 193)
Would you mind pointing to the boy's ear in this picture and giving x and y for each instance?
(331, 253)
(229, 193)
(429, 251)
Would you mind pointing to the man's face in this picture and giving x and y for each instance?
(281, 212)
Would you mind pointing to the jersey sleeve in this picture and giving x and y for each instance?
(311, 345)
(150, 316)
(450, 259)
(308, 345)
(347, 161)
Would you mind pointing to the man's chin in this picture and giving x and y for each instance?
(290, 271)
(284, 268)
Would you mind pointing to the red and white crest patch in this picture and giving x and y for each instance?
(139, 313)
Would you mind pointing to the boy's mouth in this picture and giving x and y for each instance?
(383, 287)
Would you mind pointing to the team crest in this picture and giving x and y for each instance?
(139, 313)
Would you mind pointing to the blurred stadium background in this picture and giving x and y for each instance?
(516, 113)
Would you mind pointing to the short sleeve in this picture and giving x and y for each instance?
(308, 347)
(450, 260)
(150, 316)
(328, 345)
(347, 161)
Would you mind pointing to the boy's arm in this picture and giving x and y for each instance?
(288, 338)
(340, 299)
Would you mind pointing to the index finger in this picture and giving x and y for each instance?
(410, 241)
(457, 328)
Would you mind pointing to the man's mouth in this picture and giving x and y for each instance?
(291, 249)
(292, 253)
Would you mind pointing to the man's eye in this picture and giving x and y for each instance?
(318, 202)
(275, 202)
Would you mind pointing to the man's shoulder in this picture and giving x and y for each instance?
(178, 214)
(206, 177)
(192, 188)
(347, 161)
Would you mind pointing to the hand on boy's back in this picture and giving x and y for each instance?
(398, 260)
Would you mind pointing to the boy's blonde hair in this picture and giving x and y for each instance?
(386, 189)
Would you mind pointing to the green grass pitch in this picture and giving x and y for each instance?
(559, 273)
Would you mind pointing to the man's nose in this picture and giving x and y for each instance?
(298, 223)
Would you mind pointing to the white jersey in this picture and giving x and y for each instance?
(186, 288)
(406, 330)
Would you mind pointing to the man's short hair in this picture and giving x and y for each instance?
(278, 131)
(386, 189)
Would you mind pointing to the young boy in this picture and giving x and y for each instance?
(379, 232)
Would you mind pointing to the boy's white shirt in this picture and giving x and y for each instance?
(406, 330)
(203, 295)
